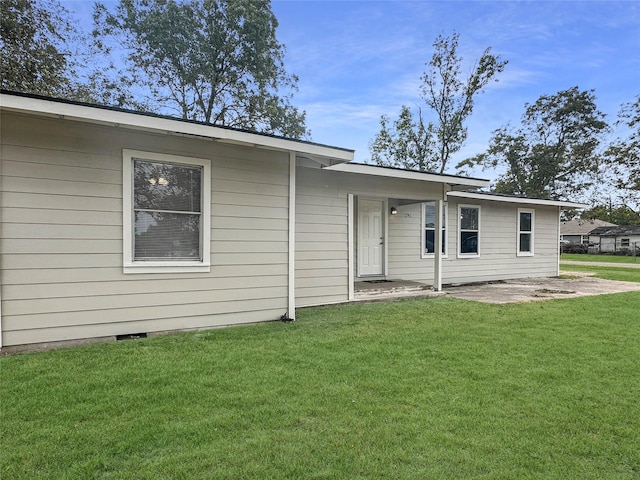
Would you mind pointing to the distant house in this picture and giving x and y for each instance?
(117, 223)
(623, 238)
(577, 231)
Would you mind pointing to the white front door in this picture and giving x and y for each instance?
(370, 237)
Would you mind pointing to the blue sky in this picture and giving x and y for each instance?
(357, 60)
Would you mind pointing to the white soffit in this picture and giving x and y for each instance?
(452, 180)
(521, 200)
(140, 121)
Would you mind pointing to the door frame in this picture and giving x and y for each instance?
(355, 223)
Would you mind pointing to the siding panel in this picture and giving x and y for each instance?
(61, 272)
(498, 244)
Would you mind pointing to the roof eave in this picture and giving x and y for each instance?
(521, 200)
(139, 121)
(451, 180)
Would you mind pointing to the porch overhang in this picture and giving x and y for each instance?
(454, 182)
(512, 199)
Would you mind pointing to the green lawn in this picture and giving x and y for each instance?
(581, 257)
(433, 388)
(608, 273)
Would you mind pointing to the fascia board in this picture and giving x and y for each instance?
(452, 180)
(525, 201)
(132, 120)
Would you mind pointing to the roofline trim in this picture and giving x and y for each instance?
(523, 200)
(88, 113)
(364, 169)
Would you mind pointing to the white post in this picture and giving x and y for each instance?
(437, 247)
(350, 256)
(559, 251)
(292, 236)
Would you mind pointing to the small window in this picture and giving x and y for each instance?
(429, 230)
(166, 213)
(625, 242)
(525, 232)
(468, 231)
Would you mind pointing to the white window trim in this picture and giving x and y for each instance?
(179, 266)
(459, 225)
(423, 235)
(530, 253)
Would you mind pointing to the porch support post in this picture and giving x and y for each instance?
(559, 250)
(292, 237)
(437, 247)
(350, 256)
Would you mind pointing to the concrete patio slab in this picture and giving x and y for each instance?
(570, 285)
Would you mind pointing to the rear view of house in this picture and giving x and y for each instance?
(119, 223)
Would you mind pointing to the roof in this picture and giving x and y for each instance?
(495, 197)
(392, 172)
(617, 231)
(122, 118)
(582, 227)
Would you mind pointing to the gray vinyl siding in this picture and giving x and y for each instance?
(322, 252)
(322, 265)
(61, 245)
(498, 258)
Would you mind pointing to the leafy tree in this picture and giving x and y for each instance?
(406, 144)
(216, 61)
(620, 215)
(624, 155)
(555, 152)
(418, 144)
(37, 43)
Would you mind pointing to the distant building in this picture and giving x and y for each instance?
(614, 239)
(577, 231)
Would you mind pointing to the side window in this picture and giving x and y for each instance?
(526, 220)
(166, 213)
(468, 230)
(429, 228)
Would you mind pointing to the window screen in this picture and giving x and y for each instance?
(167, 207)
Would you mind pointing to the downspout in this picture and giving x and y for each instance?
(1, 262)
(291, 313)
(0, 308)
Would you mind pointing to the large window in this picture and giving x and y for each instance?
(166, 212)
(429, 231)
(526, 220)
(468, 231)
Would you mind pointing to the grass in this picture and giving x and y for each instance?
(607, 273)
(432, 388)
(583, 257)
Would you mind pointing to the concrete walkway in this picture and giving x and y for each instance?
(601, 264)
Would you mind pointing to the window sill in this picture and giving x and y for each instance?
(468, 255)
(166, 267)
(432, 255)
(524, 254)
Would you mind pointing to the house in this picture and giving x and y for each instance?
(577, 231)
(117, 223)
(616, 239)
